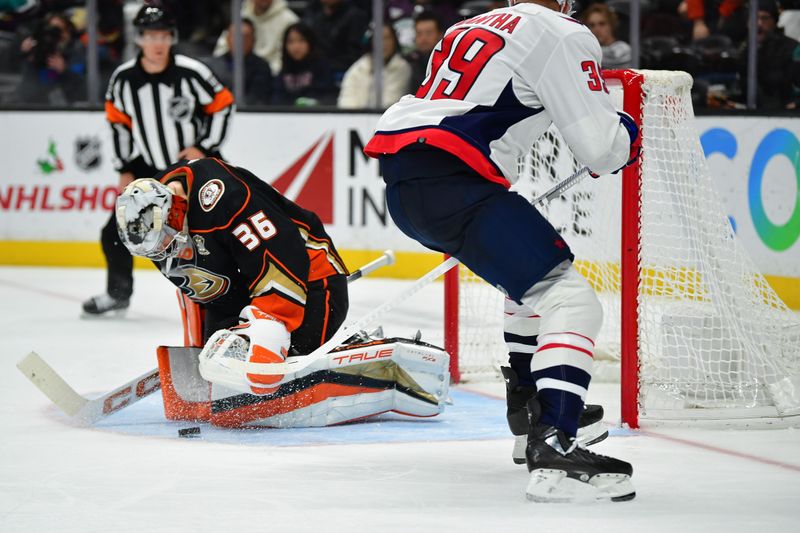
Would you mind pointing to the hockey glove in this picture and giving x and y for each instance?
(269, 343)
(633, 132)
(261, 338)
(636, 146)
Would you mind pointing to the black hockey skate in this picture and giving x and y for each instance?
(590, 425)
(104, 304)
(563, 471)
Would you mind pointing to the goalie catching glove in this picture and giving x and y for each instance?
(260, 338)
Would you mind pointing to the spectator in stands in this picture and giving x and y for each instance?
(54, 68)
(110, 36)
(428, 31)
(778, 63)
(200, 23)
(305, 78)
(446, 10)
(270, 18)
(717, 16)
(663, 18)
(603, 22)
(357, 86)
(257, 74)
(339, 27)
(403, 14)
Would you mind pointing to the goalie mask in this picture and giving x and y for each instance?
(150, 219)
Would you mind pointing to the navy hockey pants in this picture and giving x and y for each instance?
(439, 201)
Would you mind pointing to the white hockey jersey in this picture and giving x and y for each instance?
(496, 82)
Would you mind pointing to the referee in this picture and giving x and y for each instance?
(163, 107)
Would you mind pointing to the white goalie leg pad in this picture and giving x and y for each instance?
(566, 303)
(553, 486)
(356, 382)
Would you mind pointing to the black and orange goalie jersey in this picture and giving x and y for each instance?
(249, 244)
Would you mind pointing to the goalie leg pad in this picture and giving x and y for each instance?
(187, 396)
(399, 375)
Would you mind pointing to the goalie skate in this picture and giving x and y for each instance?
(563, 471)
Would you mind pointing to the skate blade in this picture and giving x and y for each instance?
(553, 486)
(591, 434)
(518, 453)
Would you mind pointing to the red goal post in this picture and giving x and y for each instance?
(692, 330)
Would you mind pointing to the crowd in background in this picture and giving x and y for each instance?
(319, 52)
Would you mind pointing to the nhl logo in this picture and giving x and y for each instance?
(180, 108)
(210, 193)
(87, 152)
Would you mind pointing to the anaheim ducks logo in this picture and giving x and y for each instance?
(201, 285)
(210, 193)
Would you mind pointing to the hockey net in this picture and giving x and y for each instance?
(691, 328)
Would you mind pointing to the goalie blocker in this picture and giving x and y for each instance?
(363, 378)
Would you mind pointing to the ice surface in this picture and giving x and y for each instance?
(451, 473)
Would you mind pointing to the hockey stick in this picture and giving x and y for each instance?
(90, 411)
(386, 259)
(561, 186)
(79, 407)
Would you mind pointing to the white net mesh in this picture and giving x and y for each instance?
(714, 338)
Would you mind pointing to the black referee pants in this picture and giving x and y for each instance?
(119, 262)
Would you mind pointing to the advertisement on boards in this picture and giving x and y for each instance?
(57, 182)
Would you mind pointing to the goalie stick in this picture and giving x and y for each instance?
(89, 411)
(79, 407)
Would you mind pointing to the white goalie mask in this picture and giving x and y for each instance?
(150, 219)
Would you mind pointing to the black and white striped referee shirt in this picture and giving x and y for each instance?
(155, 116)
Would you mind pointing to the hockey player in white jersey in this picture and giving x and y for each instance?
(448, 154)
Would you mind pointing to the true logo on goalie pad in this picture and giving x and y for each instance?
(362, 356)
